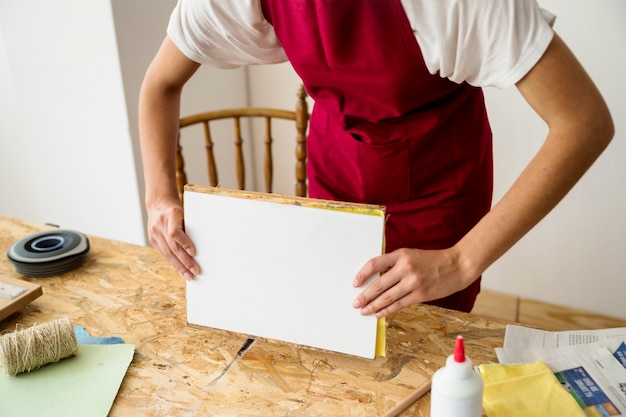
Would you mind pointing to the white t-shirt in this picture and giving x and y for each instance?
(484, 43)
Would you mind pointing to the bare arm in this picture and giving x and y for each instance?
(580, 128)
(159, 113)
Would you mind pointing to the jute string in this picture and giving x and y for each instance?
(29, 349)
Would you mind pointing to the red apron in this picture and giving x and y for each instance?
(383, 129)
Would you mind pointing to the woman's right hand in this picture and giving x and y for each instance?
(166, 233)
(159, 109)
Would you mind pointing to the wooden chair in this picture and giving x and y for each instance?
(300, 116)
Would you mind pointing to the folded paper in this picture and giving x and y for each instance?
(525, 390)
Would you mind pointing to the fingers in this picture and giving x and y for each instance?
(383, 294)
(179, 251)
(390, 292)
(408, 276)
(374, 266)
(168, 237)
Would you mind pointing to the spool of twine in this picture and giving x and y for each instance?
(29, 349)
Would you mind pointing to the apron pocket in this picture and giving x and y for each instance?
(383, 170)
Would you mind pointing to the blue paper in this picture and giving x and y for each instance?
(84, 338)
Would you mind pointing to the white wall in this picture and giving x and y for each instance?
(69, 82)
(65, 149)
(576, 256)
(140, 26)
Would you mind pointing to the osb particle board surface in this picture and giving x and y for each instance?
(132, 292)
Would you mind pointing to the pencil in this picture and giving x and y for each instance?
(404, 404)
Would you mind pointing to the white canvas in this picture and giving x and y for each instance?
(281, 271)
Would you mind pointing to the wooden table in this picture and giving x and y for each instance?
(132, 292)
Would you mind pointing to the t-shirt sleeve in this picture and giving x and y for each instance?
(484, 43)
(224, 34)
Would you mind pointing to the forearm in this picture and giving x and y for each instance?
(542, 185)
(159, 113)
(158, 131)
(580, 128)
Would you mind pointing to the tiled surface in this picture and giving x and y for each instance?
(539, 314)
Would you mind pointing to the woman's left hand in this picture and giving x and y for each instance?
(409, 276)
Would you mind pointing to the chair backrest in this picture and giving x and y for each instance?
(300, 116)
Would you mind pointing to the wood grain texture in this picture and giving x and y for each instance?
(285, 199)
(179, 370)
(496, 305)
(553, 317)
(533, 313)
(10, 306)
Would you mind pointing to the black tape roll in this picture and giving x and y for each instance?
(49, 253)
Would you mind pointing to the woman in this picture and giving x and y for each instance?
(399, 120)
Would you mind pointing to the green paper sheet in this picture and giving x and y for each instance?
(84, 385)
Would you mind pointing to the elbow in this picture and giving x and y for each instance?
(596, 125)
(604, 129)
(588, 131)
(609, 128)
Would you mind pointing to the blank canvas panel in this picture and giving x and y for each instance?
(281, 270)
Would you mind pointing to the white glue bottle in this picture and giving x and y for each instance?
(457, 390)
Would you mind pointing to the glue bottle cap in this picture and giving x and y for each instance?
(459, 350)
